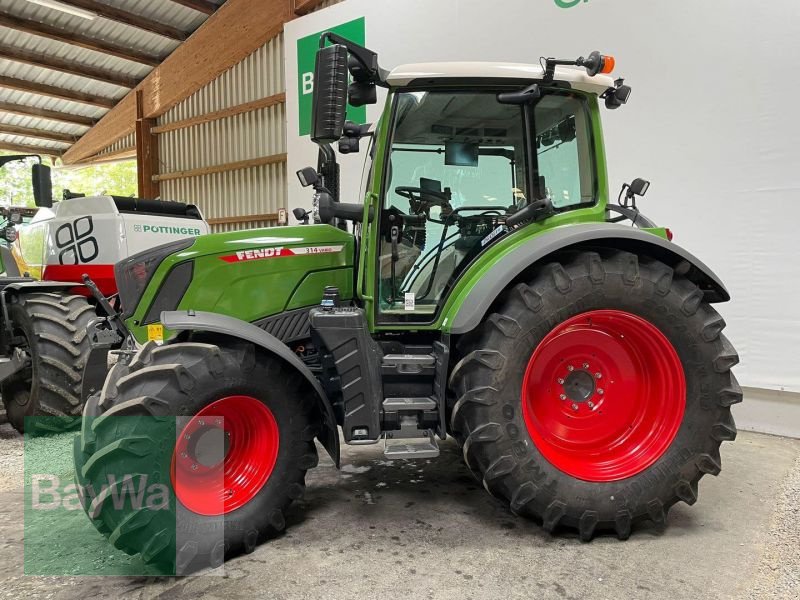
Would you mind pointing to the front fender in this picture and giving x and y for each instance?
(476, 300)
(216, 323)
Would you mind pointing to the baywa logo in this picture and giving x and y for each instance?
(307, 47)
(569, 3)
(48, 493)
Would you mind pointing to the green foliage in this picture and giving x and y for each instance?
(118, 178)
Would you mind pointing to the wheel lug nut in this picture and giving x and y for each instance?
(600, 391)
(560, 381)
(201, 422)
(590, 404)
(218, 421)
(574, 406)
(194, 467)
(184, 455)
(585, 365)
(570, 368)
(598, 375)
(563, 396)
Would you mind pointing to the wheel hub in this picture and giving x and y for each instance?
(603, 395)
(579, 386)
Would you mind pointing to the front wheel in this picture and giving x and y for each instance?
(597, 394)
(226, 430)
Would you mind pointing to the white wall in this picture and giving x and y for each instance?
(711, 123)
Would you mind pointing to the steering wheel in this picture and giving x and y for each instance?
(423, 196)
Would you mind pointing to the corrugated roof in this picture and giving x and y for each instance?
(122, 35)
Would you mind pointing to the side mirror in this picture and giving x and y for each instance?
(42, 186)
(330, 94)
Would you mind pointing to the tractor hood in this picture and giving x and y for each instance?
(250, 275)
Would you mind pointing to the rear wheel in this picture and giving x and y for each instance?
(597, 395)
(51, 329)
(234, 462)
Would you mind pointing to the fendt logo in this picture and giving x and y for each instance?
(306, 59)
(569, 3)
(76, 243)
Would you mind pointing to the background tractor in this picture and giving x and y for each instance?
(486, 288)
(45, 308)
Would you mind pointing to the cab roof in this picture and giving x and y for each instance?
(577, 78)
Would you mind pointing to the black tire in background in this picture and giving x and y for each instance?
(130, 429)
(53, 329)
(487, 417)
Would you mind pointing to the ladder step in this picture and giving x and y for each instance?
(399, 404)
(422, 360)
(422, 448)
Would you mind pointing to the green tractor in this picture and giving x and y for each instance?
(486, 289)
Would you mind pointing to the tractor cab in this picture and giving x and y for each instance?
(466, 156)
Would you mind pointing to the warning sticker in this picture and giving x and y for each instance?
(155, 332)
(277, 252)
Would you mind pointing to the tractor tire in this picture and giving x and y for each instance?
(130, 429)
(540, 432)
(53, 327)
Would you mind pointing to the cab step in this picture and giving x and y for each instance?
(409, 404)
(412, 448)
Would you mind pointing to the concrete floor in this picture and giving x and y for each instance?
(376, 530)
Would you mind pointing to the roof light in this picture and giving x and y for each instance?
(597, 63)
(70, 10)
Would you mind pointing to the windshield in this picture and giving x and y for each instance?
(458, 162)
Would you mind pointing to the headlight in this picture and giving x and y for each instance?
(135, 272)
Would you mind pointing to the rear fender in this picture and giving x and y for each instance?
(540, 248)
(216, 323)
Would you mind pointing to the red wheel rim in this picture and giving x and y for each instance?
(225, 483)
(604, 395)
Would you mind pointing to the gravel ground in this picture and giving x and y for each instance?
(779, 569)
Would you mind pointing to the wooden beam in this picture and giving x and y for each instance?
(43, 113)
(39, 59)
(243, 219)
(76, 39)
(303, 7)
(23, 85)
(41, 134)
(223, 168)
(236, 30)
(117, 155)
(202, 6)
(22, 149)
(119, 15)
(223, 114)
(146, 153)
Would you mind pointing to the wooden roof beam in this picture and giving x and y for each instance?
(45, 61)
(202, 6)
(43, 113)
(40, 134)
(119, 15)
(22, 149)
(303, 7)
(23, 85)
(75, 39)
